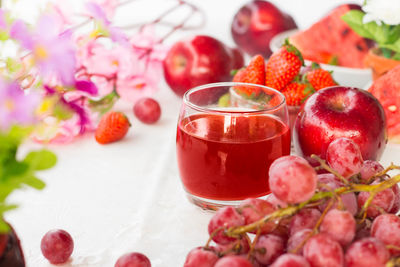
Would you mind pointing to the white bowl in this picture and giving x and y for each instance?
(353, 77)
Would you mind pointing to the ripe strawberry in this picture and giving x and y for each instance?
(253, 73)
(320, 78)
(296, 92)
(283, 66)
(113, 126)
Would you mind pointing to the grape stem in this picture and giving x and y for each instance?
(329, 169)
(293, 209)
(315, 229)
(385, 171)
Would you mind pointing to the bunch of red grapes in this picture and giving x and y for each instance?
(341, 213)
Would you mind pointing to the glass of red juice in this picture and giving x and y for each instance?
(225, 147)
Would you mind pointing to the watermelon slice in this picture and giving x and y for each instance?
(387, 90)
(331, 41)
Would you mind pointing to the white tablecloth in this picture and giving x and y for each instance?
(127, 196)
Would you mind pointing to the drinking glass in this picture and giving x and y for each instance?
(226, 142)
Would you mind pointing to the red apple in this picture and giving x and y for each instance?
(199, 60)
(336, 112)
(256, 23)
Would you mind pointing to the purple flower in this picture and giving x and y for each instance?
(53, 53)
(95, 11)
(16, 107)
(86, 86)
(98, 13)
(3, 23)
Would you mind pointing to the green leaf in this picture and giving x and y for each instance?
(34, 182)
(6, 189)
(12, 64)
(4, 227)
(104, 104)
(41, 160)
(354, 18)
(396, 56)
(7, 207)
(62, 112)
(14, 168)
(393, 34)
(18, 133)
(4, 36)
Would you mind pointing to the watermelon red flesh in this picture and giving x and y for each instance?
(332, 37)
(387, 90)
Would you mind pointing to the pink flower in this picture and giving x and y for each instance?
(147, 40)
(133, 87)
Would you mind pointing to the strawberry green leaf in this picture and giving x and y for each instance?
(224, 100)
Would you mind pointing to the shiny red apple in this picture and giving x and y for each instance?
(199, 60)
(340, 112)
(256, 23)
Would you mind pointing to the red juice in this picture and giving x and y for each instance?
(228, 157)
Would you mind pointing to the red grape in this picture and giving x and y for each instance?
(268, 248)
(297, 239)
(339, 225)
(241, 246)
(386, 228)
(290, 260)
(383, 200)
(329, 182)
(344, 156)
(292, 179)
(321, 251)
(369, 169)
(200, 257)
(277, 203)
(57, 246)
(222, 220)
(304, 219)
(147, 110)
(282, 231)
(254, 209)
(328, 179)
(367, 252)
(134, 259)
(396, 203)
(233, 261)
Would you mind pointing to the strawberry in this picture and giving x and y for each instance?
(296, 92)
(283, 66)
(113, 126)
(320, 78)
(253, 73)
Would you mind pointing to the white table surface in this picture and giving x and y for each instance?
(127, 196)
